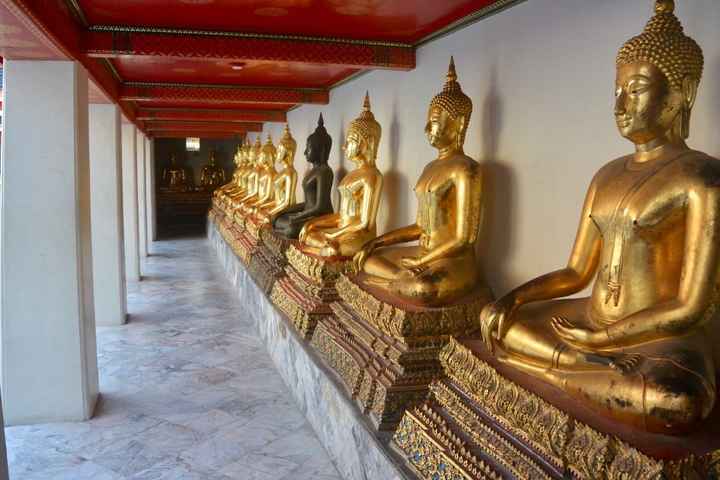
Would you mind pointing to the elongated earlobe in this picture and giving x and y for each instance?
(689, 89)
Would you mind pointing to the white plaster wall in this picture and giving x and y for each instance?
(107, 218)
(541, 77)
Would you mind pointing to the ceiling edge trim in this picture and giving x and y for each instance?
(258, 36)
(468, 20)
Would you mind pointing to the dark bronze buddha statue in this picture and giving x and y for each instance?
(316, 185)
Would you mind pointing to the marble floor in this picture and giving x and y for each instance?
(188, 392)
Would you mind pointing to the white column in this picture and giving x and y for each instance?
(4, 473)
(107, 216)
(142, 197)
(47, 334)
(150, 189)
(130, 202)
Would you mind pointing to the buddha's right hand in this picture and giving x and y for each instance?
(361, 257)
(495, 320)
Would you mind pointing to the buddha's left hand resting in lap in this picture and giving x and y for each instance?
(644, 346)
(345, 232)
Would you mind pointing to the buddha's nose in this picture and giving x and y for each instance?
(620, 104)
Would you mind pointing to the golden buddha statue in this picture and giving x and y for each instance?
(345, 232)
(265, 180)
(643, 347)
(443, 267)
(211, 175)
(237, 162)
(285, 182)
(240, 176)
(250, 179)
(174, 177)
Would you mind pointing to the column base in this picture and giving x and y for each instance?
(386, 353)
(477, 423)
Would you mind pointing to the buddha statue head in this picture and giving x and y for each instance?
(449, 114)
(254, 152)
(318, 145)
(658, 74)
(363, 136)
(245, 153)
(237, 158)
(267, 153)
(286, 148)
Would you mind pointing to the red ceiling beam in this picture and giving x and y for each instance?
(212, 115)
(221, 95)
(208, 135)
(212, 126)
(110, 41)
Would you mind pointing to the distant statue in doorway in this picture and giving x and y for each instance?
(212, 175)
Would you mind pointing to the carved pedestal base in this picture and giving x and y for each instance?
(477, 423)
(227, 228)
(305, 292)
(267, 262)
(386, 354)
(248, 241)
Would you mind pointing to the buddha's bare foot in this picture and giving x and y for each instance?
(377, 282)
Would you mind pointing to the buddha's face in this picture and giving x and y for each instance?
(282, 153)
(354, 146)
(267, 158)
(645, 106)
(442, 130)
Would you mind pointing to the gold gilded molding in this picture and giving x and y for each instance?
(317, 269)
(530, 418)
(274, 243)
(253, 229)
(567, 443)
(434, 451)
(492, 443)
(458, 319)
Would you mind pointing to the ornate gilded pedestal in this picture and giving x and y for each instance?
(486, 421)
(228, 229)
(266, 261)
(248, 239)
(306, 291)
(387, 353)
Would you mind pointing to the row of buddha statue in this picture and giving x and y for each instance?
(176, 178)
(644, 345)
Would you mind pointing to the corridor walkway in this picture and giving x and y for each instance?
(188, 392)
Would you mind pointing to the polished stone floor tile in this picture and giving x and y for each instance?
(188, 392)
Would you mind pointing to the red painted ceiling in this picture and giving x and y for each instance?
(181, 70)
(143, 54)
(389, 20)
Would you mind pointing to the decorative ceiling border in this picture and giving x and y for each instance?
(256, 36)
(218, 86)
(468, 20)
